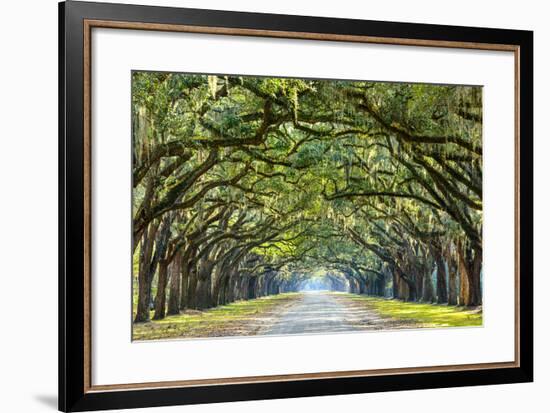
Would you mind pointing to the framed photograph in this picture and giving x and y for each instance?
(258, 206)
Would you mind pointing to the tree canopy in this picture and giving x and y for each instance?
(248, 186)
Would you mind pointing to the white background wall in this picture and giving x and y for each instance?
(28, 204)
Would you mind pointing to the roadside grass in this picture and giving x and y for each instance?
(429, 315)
(237, 318)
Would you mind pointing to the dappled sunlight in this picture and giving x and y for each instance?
(429, 315)
(306, 313)
(238, 318)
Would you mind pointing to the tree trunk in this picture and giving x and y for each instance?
(442, 296)
(229, 289)
(411, 296)
(408, 287)
(464, 289)
(175, 284)
(471, 261)
(184, 288)
(203, 294)
(418, 277)
(380, 285)
(474, 278)
(224, 291)
(144, 278)
(192, 287)
(243, 288)
(363, 287)
(395, 284)
(204, 284)
(453, 277)
(219, 287)
(251, 293)
(160, 300)
(428, 295)
(187, 268)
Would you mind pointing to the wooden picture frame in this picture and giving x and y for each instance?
(76, 21)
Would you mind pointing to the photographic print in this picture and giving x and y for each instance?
(275, 206)
(283, 186)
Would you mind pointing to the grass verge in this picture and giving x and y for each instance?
(428, 315)
(241, 318)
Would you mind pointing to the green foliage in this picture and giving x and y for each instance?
(356, 177)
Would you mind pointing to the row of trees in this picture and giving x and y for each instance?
(243, 187)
